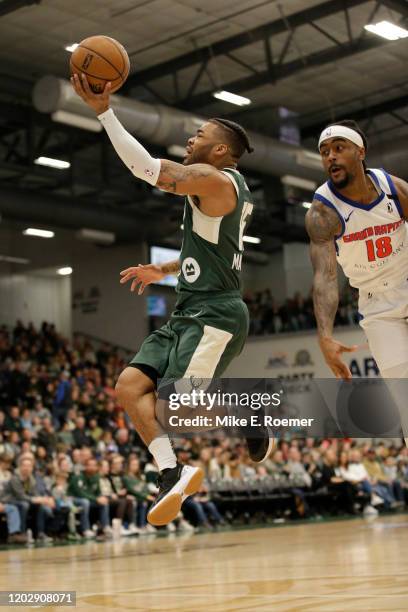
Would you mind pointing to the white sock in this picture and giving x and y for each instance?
(163, 453)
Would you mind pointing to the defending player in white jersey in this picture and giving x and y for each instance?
(358, 219)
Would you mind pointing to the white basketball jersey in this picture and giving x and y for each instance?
(372, 248)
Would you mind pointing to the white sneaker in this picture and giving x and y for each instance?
(88, 534)
(133, 529)
(108, 532)
(376, 500)
(125, 532)
(185, 526)
(43, 538)
(370, 511)
(148, 529)
(171, 528)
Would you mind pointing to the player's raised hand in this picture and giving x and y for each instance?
(332, 351)
(142, 276)
(98, 102)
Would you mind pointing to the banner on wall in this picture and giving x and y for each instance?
(297, 356)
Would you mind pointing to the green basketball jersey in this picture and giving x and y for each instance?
(211, 254)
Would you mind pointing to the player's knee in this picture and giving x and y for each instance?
(122, 388)
(131, 385)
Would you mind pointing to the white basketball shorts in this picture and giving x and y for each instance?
(385, 322)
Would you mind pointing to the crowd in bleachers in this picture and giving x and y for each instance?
(269, 316)
(71, 462)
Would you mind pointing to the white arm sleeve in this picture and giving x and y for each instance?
(130, 151)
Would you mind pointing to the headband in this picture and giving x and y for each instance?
(341, 131)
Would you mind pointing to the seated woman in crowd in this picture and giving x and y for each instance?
(135, 484)
(121, 505)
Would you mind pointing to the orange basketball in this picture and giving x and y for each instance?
(102, 59)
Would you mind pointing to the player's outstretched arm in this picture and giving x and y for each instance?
(143, 275)
(197, 179)
(323, 225)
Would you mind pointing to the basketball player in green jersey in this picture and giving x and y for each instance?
(210, 324)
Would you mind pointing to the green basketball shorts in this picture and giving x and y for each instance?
(200, 339)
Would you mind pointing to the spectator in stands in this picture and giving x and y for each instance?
(94, 431)
(65, 435)
(209, 508)
(390, 469)
(26, 420)
(47, 437)
(379, 480)
(5, 472)
(79, 434)
(126, 506)
(22, 491)
(41, 459)
(12, 421)
(123, 442)
(107, 416)
(12, 445)
(357, 474)
(341, 490)
(80, 505)
(296, 470)
(205, 455)
(275, 464)
(62, 398)
(17, 383)
(293, 314)
(15, 534)
(86, 486)
(136, 486)
(107, 444)
(41, 411)
(300, 479)
(64, 501)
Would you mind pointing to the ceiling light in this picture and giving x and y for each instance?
(297, 181)
(96, 236)
(17, 260)
(306, 204)
(387, 30)
(232, 98)
(71, 48)
(176, 150)
(252, 239)
(59, 164)
(65, 271)
(40, 233)
(85, 123)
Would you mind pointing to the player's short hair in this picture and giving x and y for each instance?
(236, 136)
(350, 123)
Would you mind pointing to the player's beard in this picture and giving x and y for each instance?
(198, 156)
(343, 182)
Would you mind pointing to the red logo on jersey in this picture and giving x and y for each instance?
(375, 230)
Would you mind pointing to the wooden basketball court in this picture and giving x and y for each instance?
(336, 566)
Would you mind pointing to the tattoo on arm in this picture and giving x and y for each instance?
(175, 177)
(170, 186)
(323, 225)
(171, 267)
